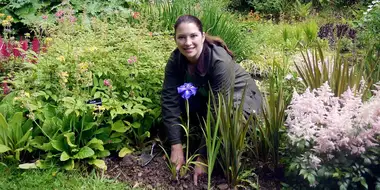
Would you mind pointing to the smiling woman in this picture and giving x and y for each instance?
(208, 64)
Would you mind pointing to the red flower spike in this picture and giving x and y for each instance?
(24, 44)
(6, 89)
(16, 52)
(36, 45)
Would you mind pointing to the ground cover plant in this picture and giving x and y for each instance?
(54, 179)
(81, 91)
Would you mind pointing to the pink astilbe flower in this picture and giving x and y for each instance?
(72, 19)
(132, 59)
(106, 82)
(330, 124)
(59, 13)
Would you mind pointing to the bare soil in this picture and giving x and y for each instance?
(156, 175)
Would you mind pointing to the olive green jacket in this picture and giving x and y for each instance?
(216, 69)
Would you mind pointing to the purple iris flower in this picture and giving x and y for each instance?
(186, 90)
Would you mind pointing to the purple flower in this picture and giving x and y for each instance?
(186, 90)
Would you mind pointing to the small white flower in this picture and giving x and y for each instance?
(288, 76)
(299, 79)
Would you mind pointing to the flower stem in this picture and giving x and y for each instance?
(187, 128)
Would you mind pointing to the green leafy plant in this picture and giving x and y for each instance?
(267, 7)
(71, 138)
(233, 129)
(210, 132)
(265, 138)
(15, 135)
(369, 35)
(189, 160)
(171, 166)
(86, 63)
(302, 10)
(318, 69)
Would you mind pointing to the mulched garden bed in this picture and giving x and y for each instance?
(156, 175)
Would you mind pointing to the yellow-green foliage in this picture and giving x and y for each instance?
(80, 58)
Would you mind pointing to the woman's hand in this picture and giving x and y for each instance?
(176, 156)
(198, 170)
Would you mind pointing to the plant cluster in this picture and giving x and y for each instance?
(329, 128)
(95, 90)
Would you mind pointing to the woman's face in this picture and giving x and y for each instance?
(189, 41)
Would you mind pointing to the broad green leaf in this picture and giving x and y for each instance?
(136, 125)
(98, 163)
(24, 138)
(364, 183)
(115, 135)
(95, 144)
(124, 151)
(4, 148)
(68, 112)
(27, 166)
(70, 138)
(42, 164)
(84, 152)
(3, 130)
(50, 126)
(136, 111)
(119, 126)
(89, 126)
(69, 165)
(38, 141)
(102, 154)
(64, 156)
(311, 179)
(18, 153)
(15, 127)
(105, 130)
(58, 145)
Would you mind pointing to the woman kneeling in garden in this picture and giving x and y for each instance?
(205, 62)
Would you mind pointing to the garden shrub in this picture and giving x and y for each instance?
(335, 137)
(120, 65)
(371, 24)
(266, 6)
(369, 36)
(27, 13)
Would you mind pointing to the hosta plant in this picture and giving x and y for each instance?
(71, 139)
(15, 135)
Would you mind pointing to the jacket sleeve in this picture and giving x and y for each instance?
(222, 76)
(171, 110)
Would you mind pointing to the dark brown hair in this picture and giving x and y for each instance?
(208, 38)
